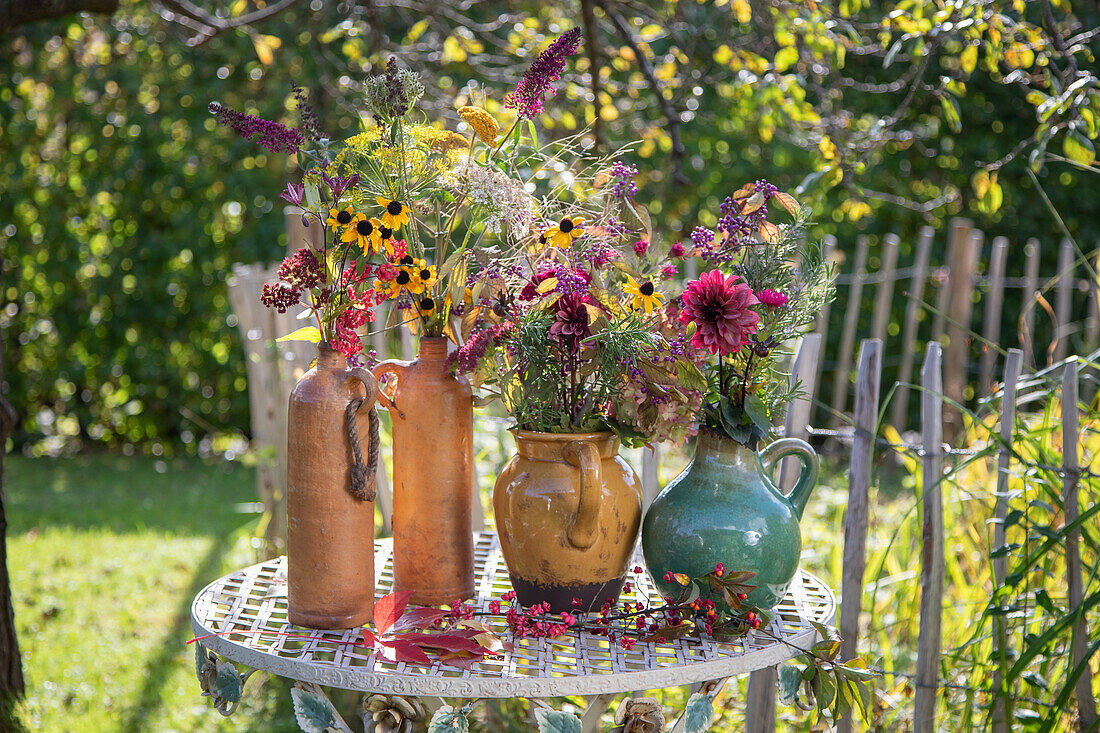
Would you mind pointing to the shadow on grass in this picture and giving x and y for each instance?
(121, 494)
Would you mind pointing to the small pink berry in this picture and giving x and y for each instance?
(637, 568)
(494, 607)
(719, 570)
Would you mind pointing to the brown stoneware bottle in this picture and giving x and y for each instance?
(330, 495)
(432, 414)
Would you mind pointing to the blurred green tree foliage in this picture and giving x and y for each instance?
(122, 206)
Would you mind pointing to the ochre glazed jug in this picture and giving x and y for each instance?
(330, 529)
(567, 512)
(433, 475)
(725, 508)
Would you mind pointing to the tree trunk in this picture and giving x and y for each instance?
(11, 665)
(17, 12)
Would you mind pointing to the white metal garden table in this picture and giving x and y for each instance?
(243, 618)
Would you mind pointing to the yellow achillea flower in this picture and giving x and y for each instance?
(396, 213)
(645, 297)
(483, 123)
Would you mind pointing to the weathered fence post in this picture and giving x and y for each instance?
(760, 697)
(868, 378)
(821, 326)
(848, 335)
(959, 309)
(1031, 285)
(932, 558)
(900, 408)
(1063, 299)
(992, 328)
(651, 482)
(268, 414)
(1002, 705)
(884, 292)
(1086, 703)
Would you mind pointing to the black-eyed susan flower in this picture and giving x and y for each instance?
(645, 297)
(367, 233)
(396, 213)
(340, 217)
(422, 276)
(562, 234)
(426, 306)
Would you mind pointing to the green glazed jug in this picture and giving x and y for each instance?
(725, 508)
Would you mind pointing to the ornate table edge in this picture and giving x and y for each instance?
(365, 680)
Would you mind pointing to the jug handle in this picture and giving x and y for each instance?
(808, 470)
(363, 472)
(389, 368)
(585, 527)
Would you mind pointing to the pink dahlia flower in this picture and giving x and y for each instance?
(772, 298)
(721, 309)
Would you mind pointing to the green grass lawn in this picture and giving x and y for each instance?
(106, 553)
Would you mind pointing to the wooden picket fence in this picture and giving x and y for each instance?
(944, 374)
(932, 449)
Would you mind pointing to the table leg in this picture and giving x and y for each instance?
(699, 711)
(590, 719)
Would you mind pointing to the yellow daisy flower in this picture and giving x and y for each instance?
(482, 122)
(562, 234)
(338, 218)
(388, 288)
(422, 277)
(426, 306)
(645, 297)
(396, 213)
(367, 233)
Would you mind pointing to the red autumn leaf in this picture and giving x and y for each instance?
(417, 618)
(463, 660)
(404, 651)
(669, 633)
(389, 608)
(445, 642)
(369, 638)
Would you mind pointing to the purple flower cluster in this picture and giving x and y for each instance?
(703, 238)
(395, 91)
(623, 175)
(737, 229)
(470, 354)
(531, 91)
(276, 137)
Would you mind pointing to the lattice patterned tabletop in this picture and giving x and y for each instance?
(247, 613)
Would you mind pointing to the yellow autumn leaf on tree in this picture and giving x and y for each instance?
(969, 59)
(265, 47)
(742, 11)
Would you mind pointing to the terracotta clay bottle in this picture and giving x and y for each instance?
(330, 495)
(432, 414)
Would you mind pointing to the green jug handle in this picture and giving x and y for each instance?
(807, 477)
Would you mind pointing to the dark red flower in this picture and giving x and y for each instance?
(571, 322)
(721, 309)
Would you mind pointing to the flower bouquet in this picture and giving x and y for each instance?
(763, 287)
